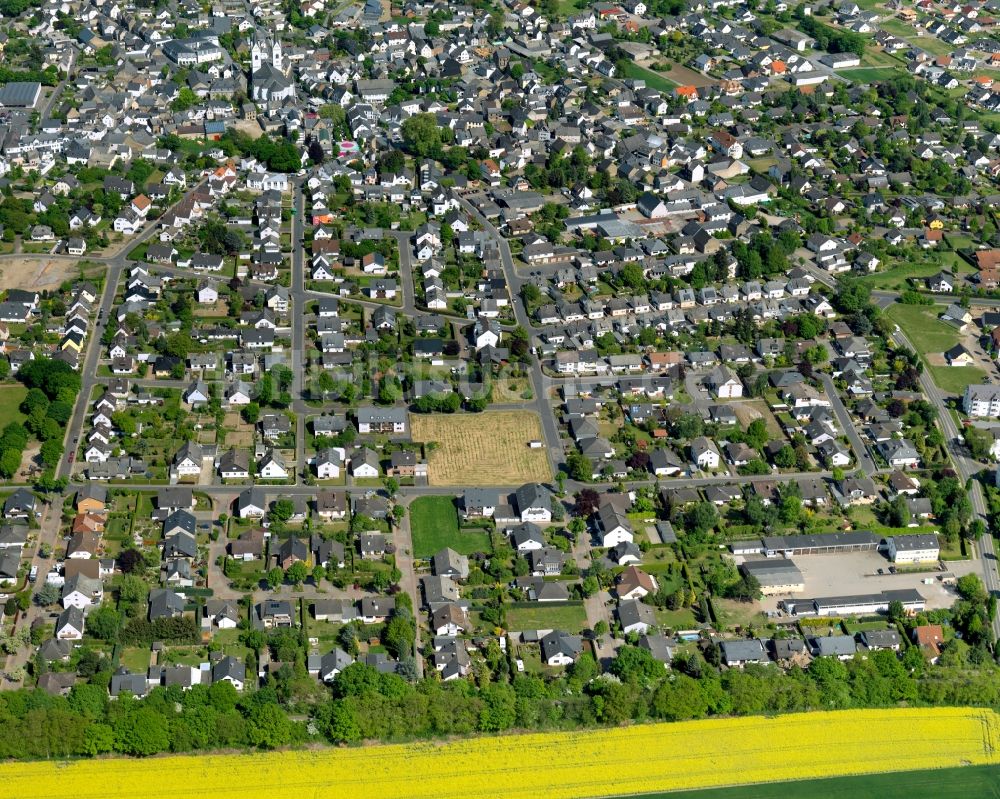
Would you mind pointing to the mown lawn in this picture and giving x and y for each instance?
(921, 326)
(653, 79)
(571, 618)
(11, 398)
(954, 379)
(927, 334)
(896, 279)
(950, 783)
(434, 526)
(870, 74)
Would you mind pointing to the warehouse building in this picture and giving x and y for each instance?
(775, 575)
(819, 544)
(858, 605)
(20, 94)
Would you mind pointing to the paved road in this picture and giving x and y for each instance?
(539, 382)
(88, 371)
(48, 532)
(404, 562)
(298, 330)
(966, 468)
(861, 453)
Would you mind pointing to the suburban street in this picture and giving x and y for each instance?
(967, 470)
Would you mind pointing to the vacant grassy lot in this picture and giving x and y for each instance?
(654, 80)
(897, 278)
(955, 379)
(640, 759)
(881, 58)
(925, 41)
(870, 74)
(434, 526)
(482, 449)
(920, 324)
(927, 334)
(11, 398)
(949, 783)
(543, 616)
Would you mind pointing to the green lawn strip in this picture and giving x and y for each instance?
(921, 326)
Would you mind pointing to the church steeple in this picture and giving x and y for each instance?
(266, 51)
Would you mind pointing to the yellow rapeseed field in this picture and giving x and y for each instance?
(645, 758)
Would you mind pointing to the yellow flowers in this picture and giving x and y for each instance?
(639, 759)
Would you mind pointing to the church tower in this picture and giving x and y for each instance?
(259, 54)
(277, 58)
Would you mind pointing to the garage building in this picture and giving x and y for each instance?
(775, 575)
(857, 605)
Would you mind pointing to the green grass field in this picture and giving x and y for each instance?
(11, 398)
(870, 74)
(434, 526)
(920, 325)
(982, 782)
(954, 379)
(653, 80)
(880, 58)
(544, 616)
(896, 279)
(931, 44)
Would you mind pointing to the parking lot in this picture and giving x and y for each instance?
(852, 573)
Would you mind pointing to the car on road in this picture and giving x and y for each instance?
(33, 574)
(72, 456)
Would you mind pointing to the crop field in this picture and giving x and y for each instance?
(483, 448)
(982, 782)
(642, 759)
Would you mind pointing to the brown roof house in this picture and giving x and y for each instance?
(634, 583)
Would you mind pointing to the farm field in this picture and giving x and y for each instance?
(482, 449)
(622, 761)
(950, 783)
(11, 398)
(434, 526)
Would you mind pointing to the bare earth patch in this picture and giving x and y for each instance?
(482, 449)
(748, 411)
(38, 272)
